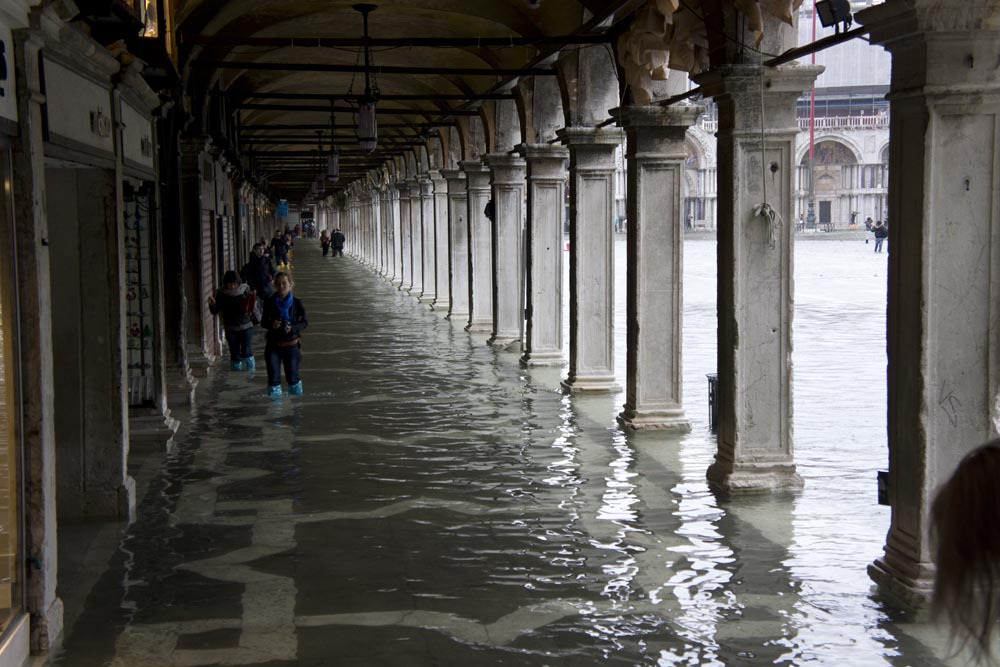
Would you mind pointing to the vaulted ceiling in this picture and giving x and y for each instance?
(283, 64)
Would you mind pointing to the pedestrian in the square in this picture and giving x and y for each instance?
(233, 303)
(284, 319)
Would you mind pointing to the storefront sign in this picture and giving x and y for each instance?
(79, 108)
(8, 92)
(137, 136)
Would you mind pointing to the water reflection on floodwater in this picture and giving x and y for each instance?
(428, 502)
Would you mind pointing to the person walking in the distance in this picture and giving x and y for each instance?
(279, 248)
(258, 272)
(338, 243)
(284, 318)
(232, 302)
(324, 241)
(880, 232)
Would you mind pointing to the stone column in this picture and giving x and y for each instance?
(385, 201)
(397, 236)
(427, 229)
(35, 340)
(458, 246)
(507, 179)
(416, 237)
(442, 288)
(405, 255)
(546, 171)
(477, 179)
(656, 155)
(591, 259)
(943, 342)
(755, 273)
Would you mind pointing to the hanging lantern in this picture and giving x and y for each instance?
(367, 128)
(333, 166)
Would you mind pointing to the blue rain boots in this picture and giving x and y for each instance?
(295, 389)
(236, 365)
(249, 364)
(274, 391)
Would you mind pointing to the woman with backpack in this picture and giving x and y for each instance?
(235, 303)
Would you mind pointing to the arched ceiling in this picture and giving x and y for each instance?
(279, 65)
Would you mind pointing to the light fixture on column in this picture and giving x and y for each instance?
(834, 12)
(367, 127)
(333, 159)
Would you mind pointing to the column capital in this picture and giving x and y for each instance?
(472, 166)
(453, 174)
(738, 80)
(506, 169)
(655, 116)
(590, 136)
(402, 188)
(532, 152)
(739, 88)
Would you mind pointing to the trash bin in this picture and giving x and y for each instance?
(713, 401)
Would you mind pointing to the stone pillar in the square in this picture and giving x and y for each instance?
(427, 230)
(385, 201)
(546, 172)
(755, 273)
(442, 288)
(458, 247)
(477, 183)
(416, 237)
(507, 180)
(397, 235)
(406, 262)
(943, 338)
(591, 260)
(655, 166)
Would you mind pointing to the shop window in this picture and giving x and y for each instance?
(138, 296)
(10, 451)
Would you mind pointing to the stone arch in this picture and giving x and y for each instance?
(454, 152)
(883, 154)
(842, 150)
(507, 126)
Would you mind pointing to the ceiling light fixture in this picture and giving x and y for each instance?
(367, 127)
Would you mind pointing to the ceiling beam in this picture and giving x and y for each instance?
(374, 69)
(358, 42)
(307, 126)
(402, 97)
(389, 111)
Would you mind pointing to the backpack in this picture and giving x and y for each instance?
(252, 306)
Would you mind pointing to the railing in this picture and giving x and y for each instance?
(822, 123)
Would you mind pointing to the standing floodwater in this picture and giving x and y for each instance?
(428, 502)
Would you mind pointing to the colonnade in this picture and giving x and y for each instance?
(503, 276)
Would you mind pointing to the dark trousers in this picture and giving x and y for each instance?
(276, 357)
(326, 250)
(240, 344)
(338, 251)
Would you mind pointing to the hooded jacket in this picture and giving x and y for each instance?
(232, 305)
(258, 273)
(270, 315)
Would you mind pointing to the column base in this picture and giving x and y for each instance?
(441, 303)
(549, 358)
(905, 589)
(151, 431)
(47, 628)
(457, 315)
(428, 298)
(661, 420)
(592, 385)
(505, 343)
(479, 326)
(181, 385)
(750, 478)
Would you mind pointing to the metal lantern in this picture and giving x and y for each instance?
(333, 166)
(367, 129)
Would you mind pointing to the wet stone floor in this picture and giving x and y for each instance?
(428, 502)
